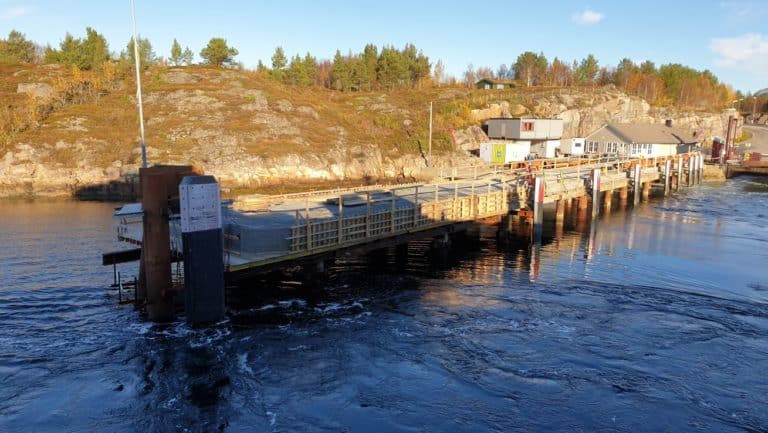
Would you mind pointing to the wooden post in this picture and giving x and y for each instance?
(608, 200)
(583, 202)
(667, 176)
(679, 173)
(560, 211)
(623, 196)
(646, 190)
(156, 252)
(638, 184)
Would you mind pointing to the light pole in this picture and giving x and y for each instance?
(430, 131)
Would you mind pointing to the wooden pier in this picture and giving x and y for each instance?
(264, 233)
(326, 223)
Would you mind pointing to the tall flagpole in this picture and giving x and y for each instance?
(138, 86)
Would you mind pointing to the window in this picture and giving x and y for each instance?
(527, 126)
(591, 147)
(611, 147)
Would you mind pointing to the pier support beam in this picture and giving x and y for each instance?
(608, 201)
(583, 202)
(595, 192)
(646, 190)
(667, 176)
(156, 250)
(679, 173)
(623, 196)
(637, 174)
(560, 211)
(538, 208)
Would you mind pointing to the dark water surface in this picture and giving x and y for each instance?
(652, 320)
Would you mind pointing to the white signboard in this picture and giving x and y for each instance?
(200, 207)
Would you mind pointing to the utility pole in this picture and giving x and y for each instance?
(430, 131)
(138, 86)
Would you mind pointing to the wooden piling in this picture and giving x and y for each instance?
(156, 251)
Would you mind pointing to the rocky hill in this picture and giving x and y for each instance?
(250, 131)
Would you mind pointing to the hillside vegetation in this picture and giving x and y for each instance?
(68, 115)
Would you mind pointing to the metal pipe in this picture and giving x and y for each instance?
(138, 86)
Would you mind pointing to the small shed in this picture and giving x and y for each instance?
(494, 84)
(504, 152)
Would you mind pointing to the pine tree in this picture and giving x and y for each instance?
(17, 49)
(147, 56)
(187, 57)
(279, 60)
(218, 53)
(176, 53)
(95, 48)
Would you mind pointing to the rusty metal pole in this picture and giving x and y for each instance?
(156, 245)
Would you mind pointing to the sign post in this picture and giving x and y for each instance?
(202, 241)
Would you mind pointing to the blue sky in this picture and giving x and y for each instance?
(729, 37)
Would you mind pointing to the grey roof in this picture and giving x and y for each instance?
(762, 92)
(649, 133)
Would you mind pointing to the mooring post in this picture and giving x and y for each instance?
(679, 173)
(202, 242)
(595, 192)
(538, 208)
(638, 184)
(156, 248)
(667, 176)
(646, 190)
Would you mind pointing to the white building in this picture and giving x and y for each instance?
(532, 135)
(650, 140)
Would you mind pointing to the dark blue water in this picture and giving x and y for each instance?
(652, 320)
